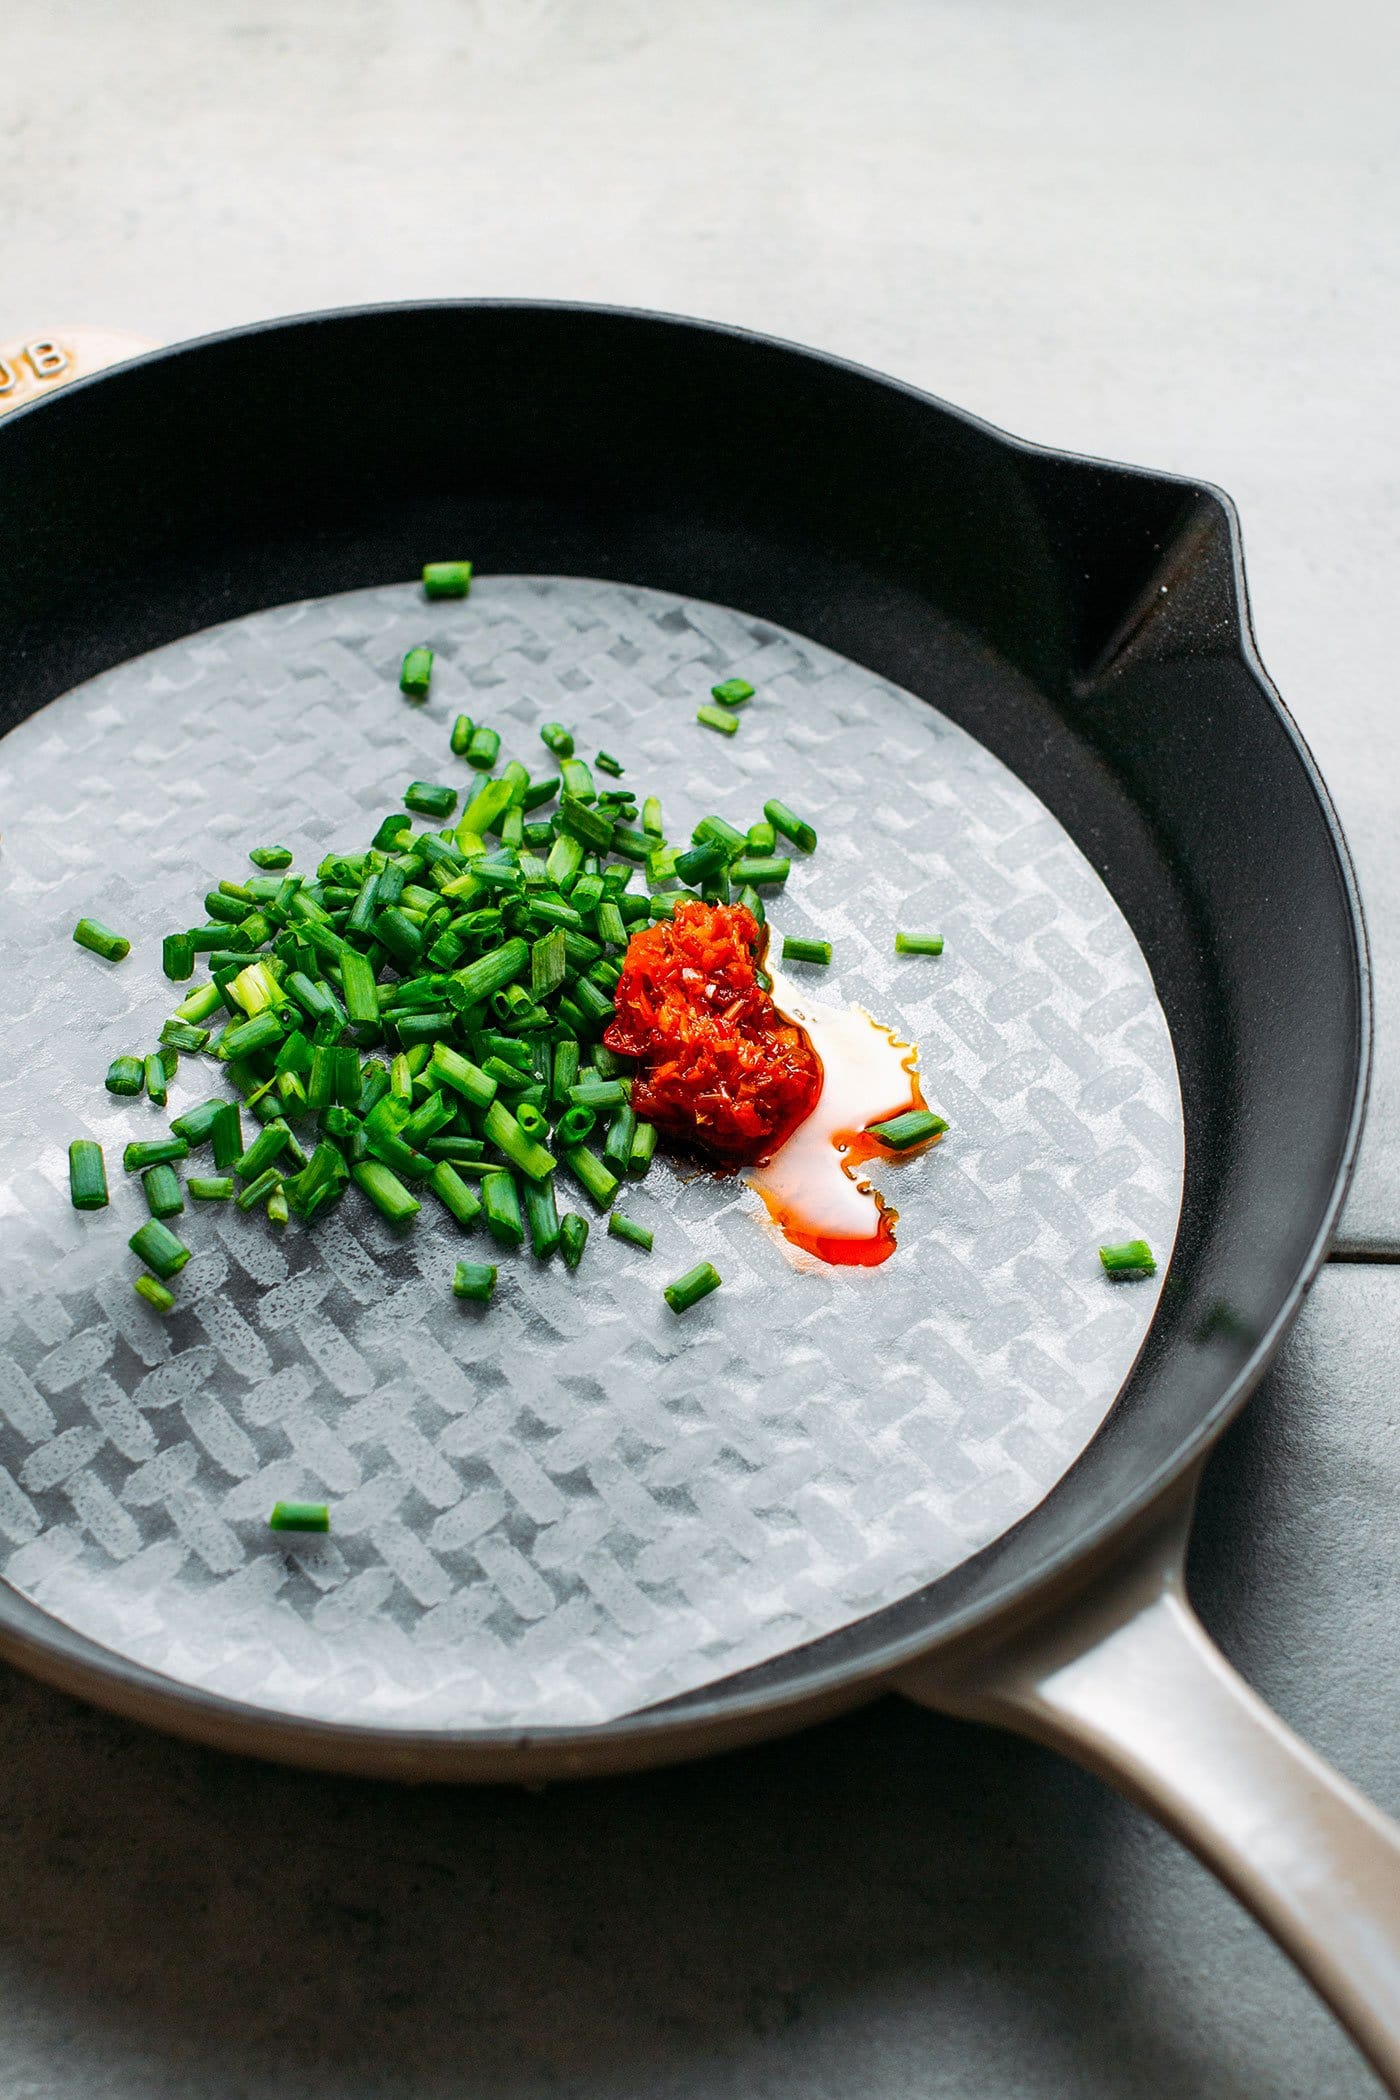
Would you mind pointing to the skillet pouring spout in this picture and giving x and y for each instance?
(1126, 1681)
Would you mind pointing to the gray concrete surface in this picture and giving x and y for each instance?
(1162, 235)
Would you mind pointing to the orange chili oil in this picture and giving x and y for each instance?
(721, 1070)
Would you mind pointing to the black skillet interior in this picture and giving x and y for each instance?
(1086, 622)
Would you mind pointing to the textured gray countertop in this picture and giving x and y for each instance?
(1165, 237)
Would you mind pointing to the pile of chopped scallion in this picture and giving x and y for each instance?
(424, 1016)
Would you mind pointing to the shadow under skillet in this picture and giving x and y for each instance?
(892, 1905)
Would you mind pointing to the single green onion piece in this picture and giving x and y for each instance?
(269, 1144)
(483, 749)
(914, 1127)
(210, 1188)
(177, 957)
(489, 973)
(733, 693)
(576, 779)
(155, 1294)
(557, 740)
(592, 827)
(226, 1135)
(573, 1237)
(156, 1079)
(258, 1191)
(696, 1283)
(597, 1093)
(643, 1149)
(243, 1038)
(590, 1174)
(449, 1068)
(277, 1208)
(153, 1152)
(299, 1516)
(182, 1035)
(500, 1129)
(385, 1191)
(430, 800)
(549, 961)
(358, 989)
(156, 1245)
(791, 827)
(87, 1175)
(651, 817)
(762, 838)
(717, 718)
(612, 927)
(91, 933)
(1133, 1258)
(635, 1235)
(162, 1187)
(617, 1149)
(199, 1004)
(453, 1193)
(271, 856)
(501, 1206)
(797, 948)
(475, 1281)
(390, 834)
(698, 863)
(606, 763)
(760, 869)
(542, 1217)
(918, 944)
(576, 1125)
(447, 579)
(461, 735)
(126, 1075)
(416, 674)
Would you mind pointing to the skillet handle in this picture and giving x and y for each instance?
(1126, 1681)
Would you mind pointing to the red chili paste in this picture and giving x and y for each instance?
(721, 1069)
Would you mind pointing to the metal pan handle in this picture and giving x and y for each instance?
(1126, 1680)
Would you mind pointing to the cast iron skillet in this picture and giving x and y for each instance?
(1116, 676)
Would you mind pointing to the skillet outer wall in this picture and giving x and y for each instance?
(304, 457)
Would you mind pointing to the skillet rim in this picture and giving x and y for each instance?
(714, 1719)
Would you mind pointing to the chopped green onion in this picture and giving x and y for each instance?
(299, 1516)
(735, 692)
(243, 1038)
(157, 1078)
(385, 1191)
(461, 736)
(643, 1149)
(549, 962)
(155, 1294)
(573, 1237)
(575, 1125)
(199, 1004)
(797, 948)
(651, 818)
(258, 1191)
(152, 1152)
(717, 718)
(501, 1207)
(196, 1124)
(269, 1144)
(606, 763)
(761, 869)
(914, 1127)
(226, 1135)
(500, 1129)
(698, 863)
(483, 749)
(177, 956)
(557, 740)
(91, 933)
(180, 1035)
(1134, 1258)
(635, 1235)
(918, 944)
(791, 827)
(475, 1281)
(210, 1188)
(542, 1217)
(696, 1283)
(762, 838)
(156, 1245)
(590, 1174)
(416, 674)
(126, 1075)
(447, 579)
(163, 1195)
(453, 1193)
(271, 856)
(430, 800)
(87, 1175)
